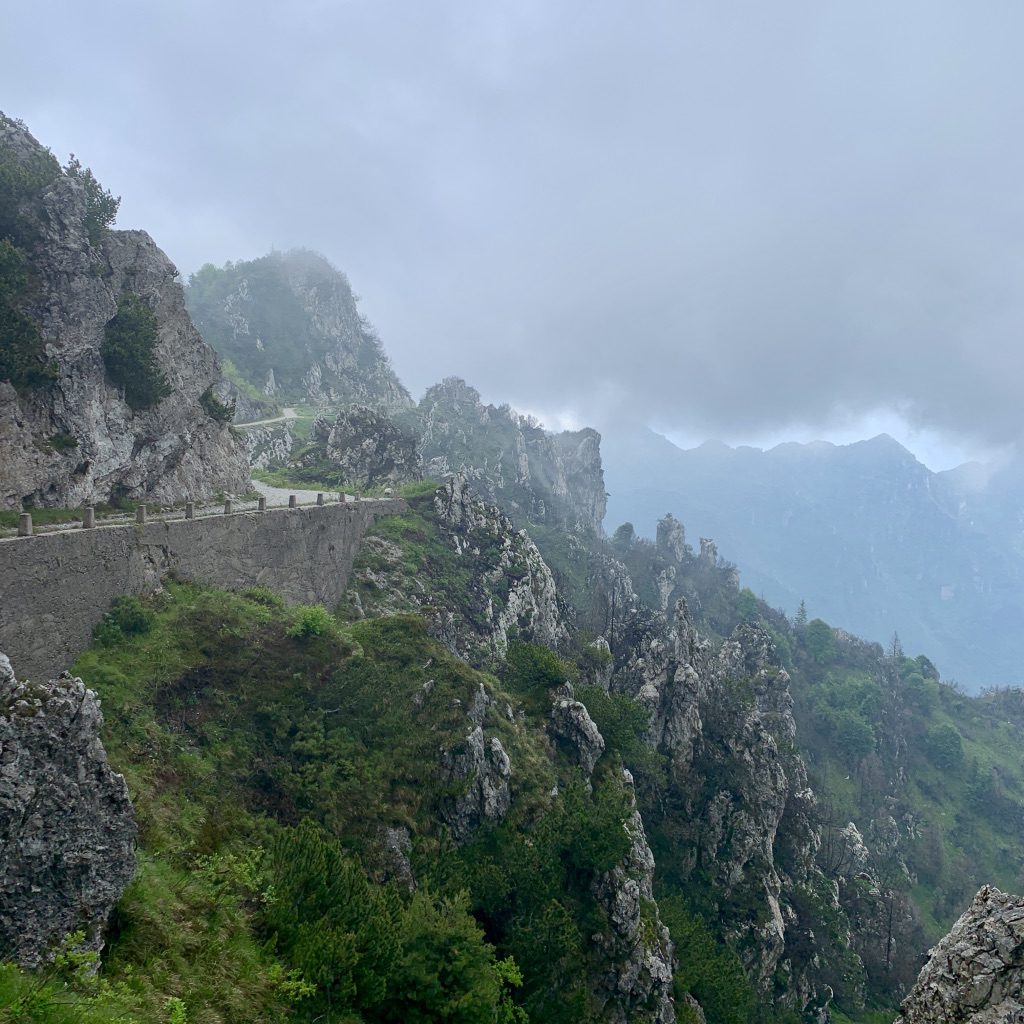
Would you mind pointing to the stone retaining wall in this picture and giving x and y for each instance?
(55, 587)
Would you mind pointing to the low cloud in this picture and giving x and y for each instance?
(731, 219)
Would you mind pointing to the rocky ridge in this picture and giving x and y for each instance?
(975, 975)
(290, 324)
(724, 719)
(493, 580)
(534, 476)
(75, 439)
(67, 829)
(367, 446)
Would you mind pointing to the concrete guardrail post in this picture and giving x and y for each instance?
(261, 505)
(190, 510)
(293, 501)
(320, 498)
(228, 506)
(88, 517)
(25, 524)
(140, 515)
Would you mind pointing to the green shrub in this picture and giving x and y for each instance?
(312, 620)
(22, 355)
(945, 747)
(128, 616)
(129, 354)
(708, 970)
(221, 412)
(100, 205)
(61, 442)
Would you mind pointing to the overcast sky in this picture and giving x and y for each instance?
(730, 218)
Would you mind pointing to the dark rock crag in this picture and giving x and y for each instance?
(976, 973)
(67, 829)
(167, 453)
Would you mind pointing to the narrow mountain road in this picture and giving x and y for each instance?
(279, 495)
(288, 414)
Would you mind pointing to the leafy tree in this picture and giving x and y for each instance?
(818, 641)
(854, 735)
(708, 969)
(22, 358)
(945, 747)
(624, 536)
(100, 205)
(129, 354)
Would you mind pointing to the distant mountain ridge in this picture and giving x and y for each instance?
(868, 537)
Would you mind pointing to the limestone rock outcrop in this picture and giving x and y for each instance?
(368, 446)
(637, 947)
(724, 719)
(480, 770)
(67, 829)
(532, 475)
(573, 727)
(503, 582)
(269, 446)
(75, 439)
(975, 975)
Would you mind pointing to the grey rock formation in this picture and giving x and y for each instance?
(725, 721)
(575, 730)
(976, 973)
(480, 771)
(533, 476)
(76, 440)
(247, 409)
(67, 829)
(369, 448)
(290, 324)
(508, 584)
(268, 446)
(637, 985)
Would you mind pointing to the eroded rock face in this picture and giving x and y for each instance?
(724, 718)
(637, 948)
(509, 585)
(76, 440)
(269, 446)
(534, 476)
(67, 829)
(481, 769)
(369, 448)
(575, 730)
(976, 973)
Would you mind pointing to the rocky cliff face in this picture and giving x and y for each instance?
(739, 799)
(480, 577)
(638, 986)
(67, 830)
(75, 439)
(976, 973)
(536, 477)
(367, 446)
(290, 324)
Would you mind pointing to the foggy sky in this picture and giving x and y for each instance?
(729, 218)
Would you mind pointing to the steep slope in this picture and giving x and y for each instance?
(290, 326)
(105, 384)
(864, 534)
